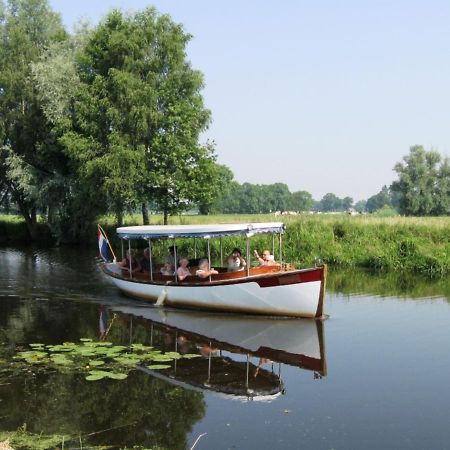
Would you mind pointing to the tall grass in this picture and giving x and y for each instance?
(400, 244)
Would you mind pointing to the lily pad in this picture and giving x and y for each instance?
(96, 362)
(159, 366)
(95, 377)
(117, 376)
(192, 355)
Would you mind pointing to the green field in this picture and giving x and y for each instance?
(400, 244)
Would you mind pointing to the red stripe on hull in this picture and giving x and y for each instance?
(291, 278)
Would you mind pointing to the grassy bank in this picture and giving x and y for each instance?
(401, 244)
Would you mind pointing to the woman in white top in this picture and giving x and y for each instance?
(204, 270)
(235, 261)
(183, 271)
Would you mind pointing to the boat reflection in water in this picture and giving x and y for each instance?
(242, 356)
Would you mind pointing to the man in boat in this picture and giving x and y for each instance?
(145, 261)
(266, 260)
(130, 261)
(170, 258)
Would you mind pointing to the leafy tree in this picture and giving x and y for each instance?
(360, 206)
(300, 201)
(378, 201)
(225, 183)
(30, 157)
(347, 203)
(138, 114)
(423, 184)
(330, 202)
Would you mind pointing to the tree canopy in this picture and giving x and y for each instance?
(423, 186)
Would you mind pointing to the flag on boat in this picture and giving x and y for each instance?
(102, 245)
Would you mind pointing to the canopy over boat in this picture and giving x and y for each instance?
(200, 231)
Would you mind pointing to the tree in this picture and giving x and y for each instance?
(138, 114)
(347, 203)
(224, 183)
(423, 184)
(29, 152)
(330, 202)
(301, 201)
(380, 200)
(360, 206)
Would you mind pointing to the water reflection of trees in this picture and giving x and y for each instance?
(143, 410)
(140, 410)
(387, 285)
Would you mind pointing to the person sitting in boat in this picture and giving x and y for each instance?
(235, 261)
(125, 263)
(167, 269)
(145, 261)
(266, 260)
(183, 269)
(170, 258)
(204, 270)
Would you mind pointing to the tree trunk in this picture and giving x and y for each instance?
(119, 218)
(29, 214)
(145, 219)
(165, 217)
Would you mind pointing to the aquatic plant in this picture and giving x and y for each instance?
(87, 355)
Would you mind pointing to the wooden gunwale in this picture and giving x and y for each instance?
(269, 273)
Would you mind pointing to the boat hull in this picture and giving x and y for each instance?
(296, 293)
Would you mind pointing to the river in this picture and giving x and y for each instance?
(373, 375)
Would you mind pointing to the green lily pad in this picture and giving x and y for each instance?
(191, 355)
(117, 376)
(173, 355)
(159, 366)
(161, 358)
(96, 362)
(95, 377)
(85, 339)
(141, 347)
(127, 361)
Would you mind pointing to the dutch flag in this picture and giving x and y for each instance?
(102, 245)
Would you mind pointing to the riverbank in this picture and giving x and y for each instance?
(401, 244)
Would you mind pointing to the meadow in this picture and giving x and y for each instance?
(402, 244)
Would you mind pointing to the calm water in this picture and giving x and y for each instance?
(374, 375)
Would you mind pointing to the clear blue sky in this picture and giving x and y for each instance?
(325, 96)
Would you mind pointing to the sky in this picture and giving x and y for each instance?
(325, 96)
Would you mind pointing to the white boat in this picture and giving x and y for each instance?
(274, 290)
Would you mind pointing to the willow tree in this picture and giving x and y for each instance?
(30, 157)
(137, 116)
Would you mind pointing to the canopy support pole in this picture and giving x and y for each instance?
(129, 256)
(281, 254)
(209, 258)
(248, 256)
(175, 257)
(151, 259)
(195, 248)
(273, 244)
(247, 372)
(121, 245)
(221, 252)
